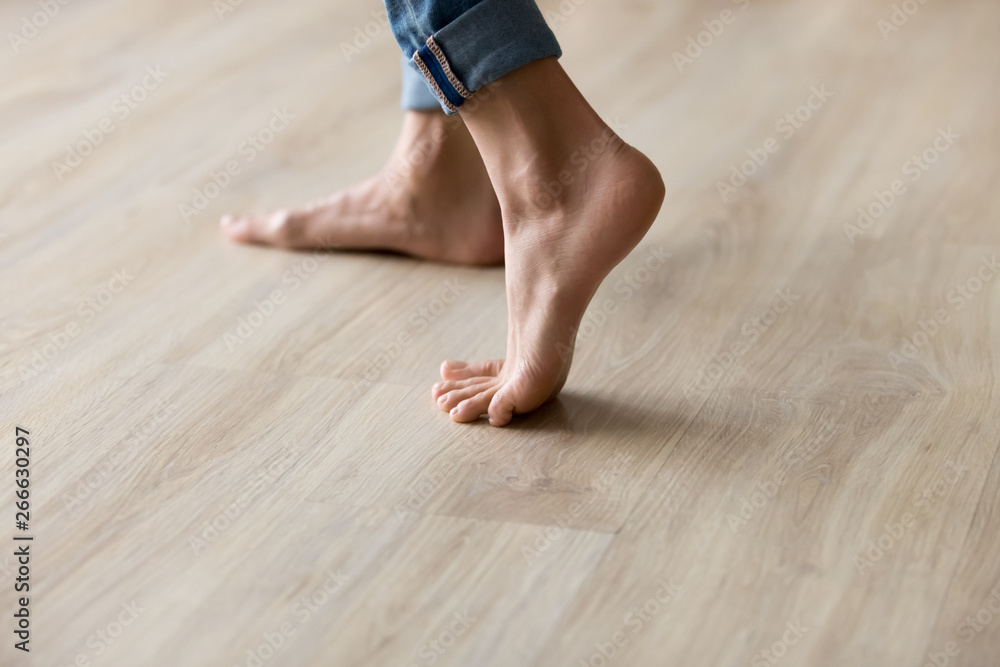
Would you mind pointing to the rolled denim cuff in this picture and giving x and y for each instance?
(415, 92)
(485, 42)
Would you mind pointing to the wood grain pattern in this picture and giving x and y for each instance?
(784, 438)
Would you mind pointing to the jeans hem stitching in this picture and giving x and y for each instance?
(452, 79)
(433, 83)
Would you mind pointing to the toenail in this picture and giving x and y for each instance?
(235, 225)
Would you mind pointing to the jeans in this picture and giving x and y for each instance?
(455, 47)
(416, 94)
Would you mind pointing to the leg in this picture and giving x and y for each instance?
(559, 248)
(575, 199)
(432, 199)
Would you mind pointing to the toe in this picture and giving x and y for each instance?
(451, 399)
(501, 408)
(459, 370)
(439, 389)
(454, 370)
(442, 388)
(473, 408)
(280, 228)
(235, 227)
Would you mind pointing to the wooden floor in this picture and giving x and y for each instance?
(777, 446)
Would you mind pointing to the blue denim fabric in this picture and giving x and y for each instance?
(416, 94)
(459, 46)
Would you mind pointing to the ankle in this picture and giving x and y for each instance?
(431, 147)
(554, 182)
(539, 138)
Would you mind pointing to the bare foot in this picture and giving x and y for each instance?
(575, 200)
(433, 199)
